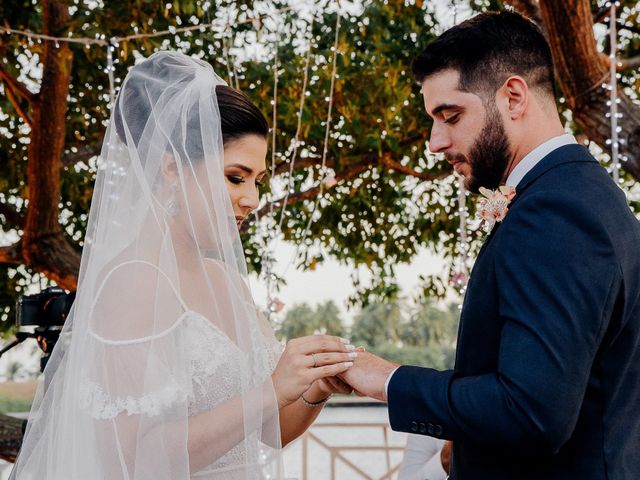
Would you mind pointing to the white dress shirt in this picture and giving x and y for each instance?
(421, 459)
(525, 165)
(532, 158)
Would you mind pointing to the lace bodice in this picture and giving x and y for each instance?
(217, 373)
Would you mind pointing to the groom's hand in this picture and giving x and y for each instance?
(368, 375)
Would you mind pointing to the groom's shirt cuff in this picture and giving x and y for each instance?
(386, 384)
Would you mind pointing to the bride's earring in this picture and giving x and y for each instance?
(173, 204)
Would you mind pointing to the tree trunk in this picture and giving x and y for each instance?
(44, 246)
(581, 70)
(10, 437)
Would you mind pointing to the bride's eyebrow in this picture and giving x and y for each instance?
(245, 169)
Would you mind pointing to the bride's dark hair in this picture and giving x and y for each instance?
(238, 115)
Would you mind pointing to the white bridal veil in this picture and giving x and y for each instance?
(163, 368)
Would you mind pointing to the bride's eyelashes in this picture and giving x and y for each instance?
(235, 179)
(239, 180)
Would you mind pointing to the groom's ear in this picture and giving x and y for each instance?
(515, 95)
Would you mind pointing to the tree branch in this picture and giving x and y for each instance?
(82, 155)
(599, 14)
(628, 63)
(300, 164)
(390, 163)
(11, 215)
(14, 99)
(18, 89)
(53, 256)
(313, 161)
(313, 192)
(11, 254)
(603, 14)
(348, 174)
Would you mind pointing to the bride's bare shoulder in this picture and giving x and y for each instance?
(135, 299)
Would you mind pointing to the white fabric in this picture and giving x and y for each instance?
(386, 383)
(421, 459)
(531, 159)
(163, 371)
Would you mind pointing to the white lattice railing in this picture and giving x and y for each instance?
(386, 455)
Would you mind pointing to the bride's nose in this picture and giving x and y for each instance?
(249, 198)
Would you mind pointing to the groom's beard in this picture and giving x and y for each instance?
(489, 157)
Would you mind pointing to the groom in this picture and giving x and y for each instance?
(546, 383)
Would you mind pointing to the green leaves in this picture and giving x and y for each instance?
(302, 320)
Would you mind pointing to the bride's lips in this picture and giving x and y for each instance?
(240, 220)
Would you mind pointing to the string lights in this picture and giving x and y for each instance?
(274, 304)
(613, 102)
(267, 256)
(460, 275)
(325, 180)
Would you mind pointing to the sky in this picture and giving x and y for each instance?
(332, 281)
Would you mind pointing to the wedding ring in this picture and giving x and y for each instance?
(314, 360)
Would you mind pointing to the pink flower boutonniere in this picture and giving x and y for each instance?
(493, 206)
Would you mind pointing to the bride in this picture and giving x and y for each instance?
(165, 370)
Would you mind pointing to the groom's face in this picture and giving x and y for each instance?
(469, 132)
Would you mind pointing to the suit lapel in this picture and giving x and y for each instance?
(488, 239)
(565, 154)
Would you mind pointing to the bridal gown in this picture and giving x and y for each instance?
(216, 367)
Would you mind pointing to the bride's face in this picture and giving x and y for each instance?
(244, 171)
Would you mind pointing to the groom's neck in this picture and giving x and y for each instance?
(533, 129)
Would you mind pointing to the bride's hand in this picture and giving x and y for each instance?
(306, 360)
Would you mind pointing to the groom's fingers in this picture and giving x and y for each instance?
(322, 359)
(328, 370)
(338, 385)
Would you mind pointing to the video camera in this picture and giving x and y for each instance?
(46, 311)
(48, 308)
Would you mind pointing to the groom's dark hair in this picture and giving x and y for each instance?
(486, 50)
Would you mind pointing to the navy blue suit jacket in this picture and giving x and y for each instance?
(546, 383)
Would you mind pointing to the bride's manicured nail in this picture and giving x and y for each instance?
(348, 364)
(345, 341)
(350, 347)
(352, 354)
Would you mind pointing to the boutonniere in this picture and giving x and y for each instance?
(494, 205)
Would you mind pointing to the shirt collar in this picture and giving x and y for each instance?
(532, 158)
